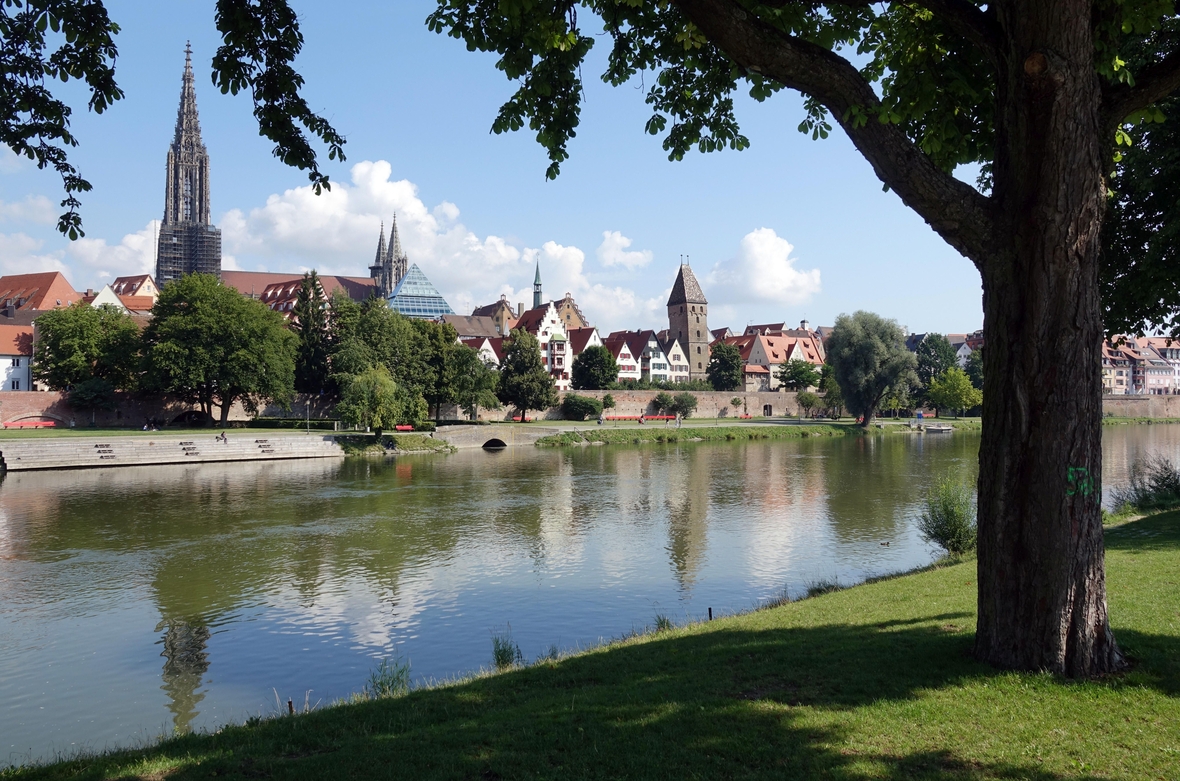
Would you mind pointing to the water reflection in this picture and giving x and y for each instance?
(299, 575)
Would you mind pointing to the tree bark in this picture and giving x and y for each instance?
(1042, 591)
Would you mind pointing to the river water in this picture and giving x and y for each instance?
(138, 601)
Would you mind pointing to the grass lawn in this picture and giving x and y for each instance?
(874, 682)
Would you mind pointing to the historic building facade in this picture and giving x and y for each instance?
(188, 242)
(688, 321)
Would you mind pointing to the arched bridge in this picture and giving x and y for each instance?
(493, 436)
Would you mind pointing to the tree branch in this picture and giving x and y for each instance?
(1155, 83)
(954, 209)
(963, 17)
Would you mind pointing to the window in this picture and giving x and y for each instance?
(698, 352)
(16, 384)
(16, 361)
(698, 332)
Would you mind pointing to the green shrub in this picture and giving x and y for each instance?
(683, 404)
(505, 653)
(1154, 485)
(390, 679)
(575, 407)
(948, 516)
(662, 401)
(608, 401)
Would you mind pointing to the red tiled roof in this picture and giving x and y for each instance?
(16, 340)
(531, 320)
(637, 341)
(46, 290)
(616, 347)
(579, 337)
(254, 283)
(138, 303)
(472, 326)
(128, 286)
(753, 368)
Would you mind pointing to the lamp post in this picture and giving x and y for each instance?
(307, 407)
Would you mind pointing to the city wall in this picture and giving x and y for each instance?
(710, 404)
(134, 411)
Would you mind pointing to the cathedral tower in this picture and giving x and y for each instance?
(188, 242)
(688, 321)
(537, 294)
(391, 264)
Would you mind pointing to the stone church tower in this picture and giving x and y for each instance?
(188, 242)
(688, 321)
(391, 263)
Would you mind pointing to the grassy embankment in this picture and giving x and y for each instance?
(367, 445)
(750, 430)
(873, 682)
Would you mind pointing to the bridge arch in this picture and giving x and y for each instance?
(495, 444)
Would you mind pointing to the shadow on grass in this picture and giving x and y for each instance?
(1154, 533)
(719, 704)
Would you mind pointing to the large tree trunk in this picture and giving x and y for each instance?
(1042, 591)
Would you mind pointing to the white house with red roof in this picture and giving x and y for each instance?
(488, 352)
(546, 324)
(645, 346)
(581, 338)
(16, 357)
(629, 365)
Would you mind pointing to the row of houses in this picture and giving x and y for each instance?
(1147, 365)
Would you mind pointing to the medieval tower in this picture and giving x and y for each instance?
(688, 321)
(391, 263)
(188, 242)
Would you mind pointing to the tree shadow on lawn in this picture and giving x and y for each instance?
(1155, 533)
(721, 704)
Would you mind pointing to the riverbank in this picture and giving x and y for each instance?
(869, 682)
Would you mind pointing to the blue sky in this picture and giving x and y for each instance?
(790, 228)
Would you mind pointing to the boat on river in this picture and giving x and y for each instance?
(938, 428)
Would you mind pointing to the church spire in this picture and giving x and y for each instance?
(188, 243)
(396, 262)
(537, 295)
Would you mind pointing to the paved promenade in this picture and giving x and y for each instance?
(165, 447)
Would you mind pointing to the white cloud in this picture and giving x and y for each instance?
(613, 252)
(336, 233)
(10, 161)
(19, 254)
(762, 271)
(135, 254)
(36, 209)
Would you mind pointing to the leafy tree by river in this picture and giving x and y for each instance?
(594, 369)
(210, 345)
(869, 359)
(725, 367)
(83, 342)
(310, 324)
(524, 382)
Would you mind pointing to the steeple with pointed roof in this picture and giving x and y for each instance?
(188, 242)
(377, 270)
(688, 321)
(538, 296)
(398, 263)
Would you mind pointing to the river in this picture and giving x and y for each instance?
(139, 601)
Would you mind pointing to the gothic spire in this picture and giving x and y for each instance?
(395, 241)
(381, 246)
(188, 125)
(537, 293)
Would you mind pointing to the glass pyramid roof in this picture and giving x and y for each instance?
(415, 297)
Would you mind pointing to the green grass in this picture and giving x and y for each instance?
(658, 433)
(367, 445)
(872, 682)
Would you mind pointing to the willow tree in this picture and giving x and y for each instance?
(1036, 93)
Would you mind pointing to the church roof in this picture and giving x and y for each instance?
(472, 326)
(686, 290)
(416, 297)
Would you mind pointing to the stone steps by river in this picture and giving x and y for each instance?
(168, 448)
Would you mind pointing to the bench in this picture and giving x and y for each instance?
(31, 424)
(517, 419)
(403, 428)
(622, 417)
(660, 417)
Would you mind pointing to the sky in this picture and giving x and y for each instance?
(789, 229)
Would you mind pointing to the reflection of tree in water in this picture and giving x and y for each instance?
(688, 481)
(185, 661)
